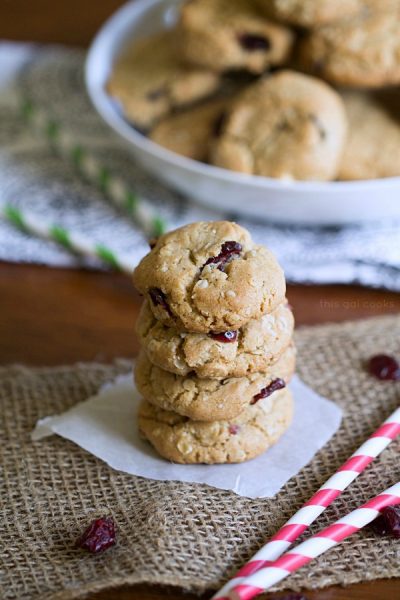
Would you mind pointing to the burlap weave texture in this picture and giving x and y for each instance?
(187, 535)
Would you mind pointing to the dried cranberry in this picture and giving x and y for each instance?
(229, 251)
(227, 337)
(379, 525)
(391, 514)
(154, 95)
(318, 65)
(234, 429)
(219, 124)
(283, 125)
(388, 522)
(384, 367)
(253, 42)
(99, 536)
(276, 384)
(159, 299)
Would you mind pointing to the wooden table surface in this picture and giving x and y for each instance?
(53, 316)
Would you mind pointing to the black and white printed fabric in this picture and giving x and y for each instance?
(35, 178)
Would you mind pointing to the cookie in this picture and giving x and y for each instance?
(256, 346)
(189, 133)
(231, 34)
(313, 13)
(372, 149)
(150, 80)
(209, 276)
(363, 51)
(182, 440)
(288, 125)
(209, 399)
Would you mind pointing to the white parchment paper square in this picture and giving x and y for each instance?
(105, 425)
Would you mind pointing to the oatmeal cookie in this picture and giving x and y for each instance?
(313, 13)
(363, 51)
(209, 399)
(254, 347)
(288, 125)
(372, 149)
(209, 276)
(150, 80)
(232, 34)
(189, 132)
(182, 440)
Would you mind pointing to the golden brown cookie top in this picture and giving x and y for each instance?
(288, 125)
(209, 276)
(363, 51)
(232, 34)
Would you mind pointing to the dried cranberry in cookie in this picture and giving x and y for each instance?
(233, 353)
(158, 298)
(276, 384)
(232, 34)
(229, 251)
(182, 440)
(209, 277)
(206, 399)
(226, 337)
(288, 126)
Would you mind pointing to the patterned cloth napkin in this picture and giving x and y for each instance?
(35, 178)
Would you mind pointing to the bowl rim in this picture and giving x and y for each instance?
(102, 44)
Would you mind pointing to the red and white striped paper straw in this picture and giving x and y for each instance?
(315, 546)
(326, 494)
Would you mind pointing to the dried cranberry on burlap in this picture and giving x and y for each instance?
(384, 367)
(99, 536)
(388, 522)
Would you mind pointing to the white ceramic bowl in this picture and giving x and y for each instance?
(261, 197)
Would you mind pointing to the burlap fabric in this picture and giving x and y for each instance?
(186, 535)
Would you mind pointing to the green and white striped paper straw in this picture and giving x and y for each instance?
(112, 186)
(72, 241)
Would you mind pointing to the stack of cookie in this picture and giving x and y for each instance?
(217, 351)
(186, 88)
